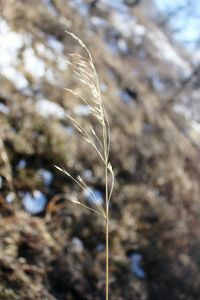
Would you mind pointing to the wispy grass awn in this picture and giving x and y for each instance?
(83, 67)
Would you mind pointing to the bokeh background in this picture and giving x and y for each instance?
(147, 56)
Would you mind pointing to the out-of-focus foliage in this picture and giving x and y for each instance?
(182, 18)
(49, 250)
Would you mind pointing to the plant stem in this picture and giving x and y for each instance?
(107, 257)
(107, 235)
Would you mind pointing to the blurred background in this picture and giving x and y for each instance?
(147, 57)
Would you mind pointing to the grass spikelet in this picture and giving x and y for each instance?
(85, 72)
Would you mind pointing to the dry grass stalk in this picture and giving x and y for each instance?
(84, 69)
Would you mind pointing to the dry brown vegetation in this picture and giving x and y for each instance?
(59, 253)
